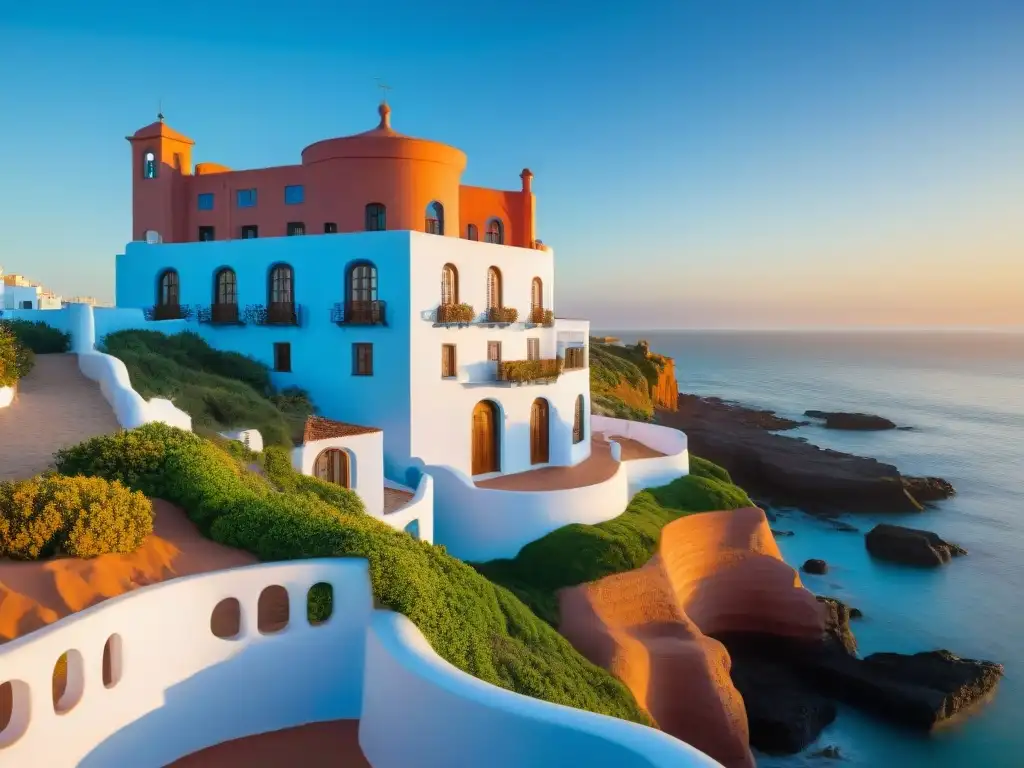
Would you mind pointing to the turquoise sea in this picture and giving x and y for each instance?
(963, 396)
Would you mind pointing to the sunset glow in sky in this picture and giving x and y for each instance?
(739, 164)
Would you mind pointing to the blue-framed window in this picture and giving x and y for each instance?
(246, 198)
(294, 194)
(206, 201)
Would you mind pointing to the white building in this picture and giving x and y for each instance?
(18, 292)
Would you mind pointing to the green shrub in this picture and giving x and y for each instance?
(38, 336)
(219, 390)
(76, 516)
(704, 468)
(577, 554)
(477, 626)
(522, 371)
(16, 360)
(277, 464)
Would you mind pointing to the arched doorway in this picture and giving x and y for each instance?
(486, 446)
(539, 432)
(332, 466)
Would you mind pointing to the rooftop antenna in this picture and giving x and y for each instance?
(384, 88)
(160, 110)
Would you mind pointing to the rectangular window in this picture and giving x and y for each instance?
(294, 194)
(246, 198)
(447, 361)
(206, 201)
(26, 305)
(574, 358)
(533, 349)
(250, 231)
(494, 351)
(330, 228)
(362, 359)
(282, 357)
(205, 234)
(296, 228)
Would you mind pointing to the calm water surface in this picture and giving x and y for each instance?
(963, 395)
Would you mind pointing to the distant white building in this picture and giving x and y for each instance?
(18, 292)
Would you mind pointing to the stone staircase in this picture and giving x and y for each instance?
(56, 406)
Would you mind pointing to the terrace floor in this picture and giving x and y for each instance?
(631, 449)
(55, 407)
(317, 745)
(395, 499)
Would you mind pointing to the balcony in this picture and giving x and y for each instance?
(359, 313)
(519, 372)
(275, 313)
(502, 315)
(168, 312)
(454, 314)
(220, 314)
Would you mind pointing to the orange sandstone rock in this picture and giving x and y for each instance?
(715, 572)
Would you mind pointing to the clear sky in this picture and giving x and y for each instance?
(710, 163)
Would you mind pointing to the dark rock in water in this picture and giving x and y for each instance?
(772, 517)
(781, 533)
(837, 623)
(784, 713)
(852, 421)
(910, 546)
(783, 470)
(817, 567)
(831, 752)
(928, 489)
(856, 613)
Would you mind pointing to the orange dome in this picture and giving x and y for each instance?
(383, 142)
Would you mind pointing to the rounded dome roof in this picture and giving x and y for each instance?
(383, 142)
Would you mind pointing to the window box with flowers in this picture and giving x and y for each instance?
(529, 371)
(455, 314)
(504, 315)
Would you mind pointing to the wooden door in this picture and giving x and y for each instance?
(485, 439)
(332, 467)
(539, 432)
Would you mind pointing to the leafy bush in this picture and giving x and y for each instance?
(530, 370)
(576, 554)
(16, 360)
(219, 390)
(502, 315)
(38, 336)
(456, 313)
(76, 516)
(477, 626)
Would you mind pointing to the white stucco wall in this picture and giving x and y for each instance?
(480, 524)
(181, 689)
(444, 407)
(365, 464)
(419, 510)
(648, 473)
(250, 438)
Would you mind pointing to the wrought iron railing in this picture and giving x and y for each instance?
(220, 314)
(168, 312)
(275, 313)
(359, 313)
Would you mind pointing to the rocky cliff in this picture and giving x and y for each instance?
(631, 381)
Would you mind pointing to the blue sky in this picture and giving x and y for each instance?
(698, 164)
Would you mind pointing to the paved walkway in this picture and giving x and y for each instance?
(395, 499)
(56, 407)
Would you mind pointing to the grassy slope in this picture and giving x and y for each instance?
(618, 387)
(219, 390)
(478, 626)
(577, 554)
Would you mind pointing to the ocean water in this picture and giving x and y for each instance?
(963, 396)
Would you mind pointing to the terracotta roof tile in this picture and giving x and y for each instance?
(319, 428)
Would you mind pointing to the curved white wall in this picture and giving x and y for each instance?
(648, 473)
(182, 689)
(419, 510)
(480, 524)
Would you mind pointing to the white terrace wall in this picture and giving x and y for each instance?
(175, 688)
(419, 512)
(480, 524)
(648, 473)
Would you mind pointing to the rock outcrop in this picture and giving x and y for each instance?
(630, 381)
(863, 422)
(788, 471)
(815, 566)
(910, 546)
(717, 572)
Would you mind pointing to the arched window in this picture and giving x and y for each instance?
(435, 219)
(495, 231)
(472, 233)
(362, 282)
(577, 421)
(282, 285)
(149, 166)
(493, 288)
(376, 217)
(449, 285)
(226, 287)
(167, 293)
(537, 294)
